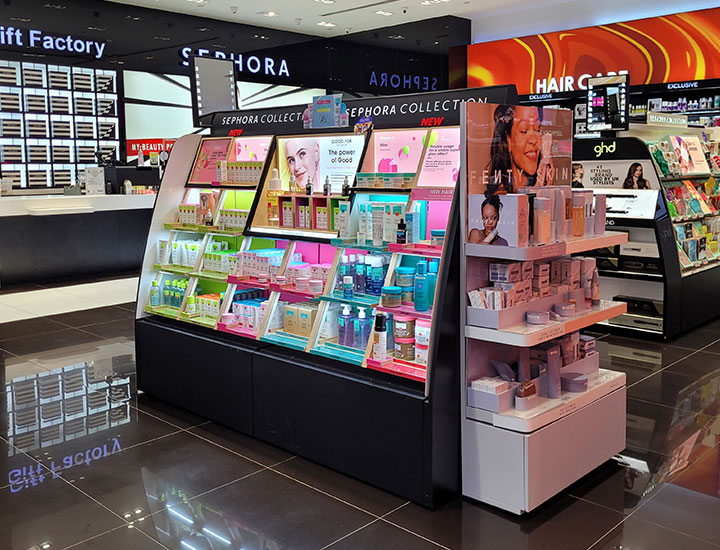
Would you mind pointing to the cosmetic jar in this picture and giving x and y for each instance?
(538, 317)
(407, 294)
(404, 326)
(391, 296)
(405, 349)
(565, 310)
(421, 354)
(405, 276)
(573, 382)
(228, 318)
(316, 285)
(281, 280)
(262, 278)
(302, 284)
(422, 332)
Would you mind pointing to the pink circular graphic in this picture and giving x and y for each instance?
(387, 165)
(455, 174)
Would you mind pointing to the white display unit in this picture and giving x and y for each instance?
(516, 460)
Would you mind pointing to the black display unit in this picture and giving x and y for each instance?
(396, 433)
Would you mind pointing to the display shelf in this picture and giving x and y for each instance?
(526, 335)
(413, 371)
(333, 350)
(352, 244)
(427, 250)
(286, 339)
(575, 246)
(630, 274)
(211, 275)
(237, 329)
(711, 264)
(549, 410)
(358, 300)
(223, 185)
(202, 320)
(247, 282)
(202, 229)
(163, 311)
(407, 309)
(292, 291)
(173, 269)
(695, 217)
(381, 190)
(682, 177)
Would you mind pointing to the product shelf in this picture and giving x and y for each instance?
(409, 310)
(333, 350)
(286, 339)
(163, 311)
(351, 244)
(711, 264)
(223, 185)
(427, 250)
(174, 269)
(526, 335)
(682, 177)
(361, 300)
(573, 246)
(210, 275)
(203, 229)
(381, 190)
(201, 320)
(695, 217)
(236, 329)
(292, 291)
(550, 410)
(247, 282)
(405, 369)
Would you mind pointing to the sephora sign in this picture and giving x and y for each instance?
(268, 66)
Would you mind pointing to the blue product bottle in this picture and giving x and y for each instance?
(363, 324)
(422, 287)
(433, 267)
(348, 286)
(154, 294)
(345, 327)
(378, 276)
(368, 274)
(342, 271)
(360, 275)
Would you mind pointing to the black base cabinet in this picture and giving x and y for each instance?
(374, 427)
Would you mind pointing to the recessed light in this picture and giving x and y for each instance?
(55, 6)
(326, 1)
(23, 19)
(326, 24)
(161, 38)
(133, 17)
(431, 2)
(385, 13)
(268, 13)
(149, 57)
(97, 29)
(396, 37)
(202, 29)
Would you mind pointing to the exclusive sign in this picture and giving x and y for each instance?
(400, 111)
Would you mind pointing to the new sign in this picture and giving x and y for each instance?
(33, 38)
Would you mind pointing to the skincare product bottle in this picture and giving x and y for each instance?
(348, 286)
(600, 207)
(326, 187)
(422, 300)
(578, 214)
(190, 306)
(378, 215)
(363, 324)
(432, 274)
(155, 297)
(589, 218)
(542, 220)
(379, 351)
(401, 236)
(345, 326)
(360, 275)
(309, 186)
(368, 274)
(209, 218)
(346, 188)
(342, 271)
(274, 191)
(378, 276)
(166, 294)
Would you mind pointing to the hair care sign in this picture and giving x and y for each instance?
(398, 151)
(251, 149)
(689, 154)
(614, 174)
(211, 150)
(512, 146)
(442, 158)
(308, 159)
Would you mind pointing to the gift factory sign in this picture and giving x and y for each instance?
(36, 39)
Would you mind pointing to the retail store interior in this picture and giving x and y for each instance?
(343, 274)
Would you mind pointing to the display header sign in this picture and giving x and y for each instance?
(59, 45)
(680, 48)
(399, 111)
(667, 119)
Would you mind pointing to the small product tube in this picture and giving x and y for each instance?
(600, 209)
(542, 220)
(578, 214)
(378, 214)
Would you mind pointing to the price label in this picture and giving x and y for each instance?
(551, 250)
(550, 332)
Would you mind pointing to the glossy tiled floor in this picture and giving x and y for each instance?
(89, 464)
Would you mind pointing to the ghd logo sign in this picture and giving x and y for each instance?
(601, 148)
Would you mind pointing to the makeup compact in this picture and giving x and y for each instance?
(537, 317)
(564, 310)
(574, 382)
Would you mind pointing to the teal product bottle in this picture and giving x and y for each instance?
(348, 286)
(346, 327)
(363, 324)
(378, 276)
(433, 267)
(368, 273)
(155, 295)
(343, 269)
(422, 287)
(360, 275)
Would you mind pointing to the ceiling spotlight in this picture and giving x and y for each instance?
(325, 1)
(268, 13)
(385, 13)
(326, 24)
(166, 38)
(431, 2)
(396, 37)
(23, 19)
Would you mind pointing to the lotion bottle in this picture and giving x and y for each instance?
(422, 300)
(578, 214)
(274, 191)
(363, 324)
(542, 220)
(155, 294)
(345, 327)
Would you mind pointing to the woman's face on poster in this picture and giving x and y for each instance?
(489, 218)
(524, 140)
(302, 158)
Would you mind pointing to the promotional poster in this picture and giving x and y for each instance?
(689, 154)
(398, 151)
(211, 151)
(614, 174)
(307, 159)
(252, 149)
(442, 159)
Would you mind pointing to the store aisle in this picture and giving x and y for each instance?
(90, 464)
(35, 300)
